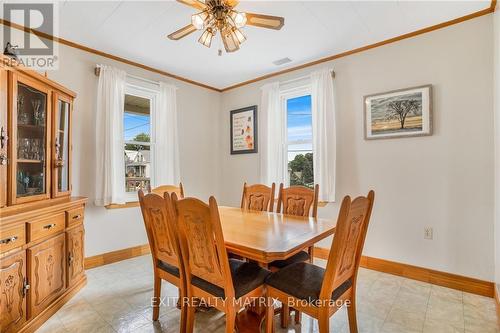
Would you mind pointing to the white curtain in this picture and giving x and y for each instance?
(166, 149)
(324, 133)
(109, 161)
(272, 135)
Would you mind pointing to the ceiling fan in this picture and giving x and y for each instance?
(220, 16)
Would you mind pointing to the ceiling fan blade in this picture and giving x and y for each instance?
(182, 32)
(232, 3)
(265, 21)
(230, 44)
(194, 3)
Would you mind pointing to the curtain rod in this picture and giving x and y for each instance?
(303, 78)
(97, 72)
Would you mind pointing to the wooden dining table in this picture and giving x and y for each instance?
(264, 237)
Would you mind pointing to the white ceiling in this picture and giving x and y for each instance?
(137, 30)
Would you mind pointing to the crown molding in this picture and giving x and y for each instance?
(461, 19)
(489, 10)
(104, 54)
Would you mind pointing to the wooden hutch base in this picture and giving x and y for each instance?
(41, 225)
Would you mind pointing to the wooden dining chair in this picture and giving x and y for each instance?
(321, 292)
(165, 248)
(296, 201)
(226, 284)
(162, 189)
(258, 197)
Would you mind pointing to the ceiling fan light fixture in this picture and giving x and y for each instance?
(206, 37)
(239, 19)
(198, 20)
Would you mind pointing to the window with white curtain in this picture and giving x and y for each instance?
(138, 137)
(296, 104)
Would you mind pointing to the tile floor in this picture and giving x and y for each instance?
(117, 298)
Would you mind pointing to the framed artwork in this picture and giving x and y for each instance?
(399, 113)
(244, 130)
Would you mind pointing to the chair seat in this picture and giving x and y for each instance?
(168, 268)
(299, 257)
(246, 276)
(303, 281)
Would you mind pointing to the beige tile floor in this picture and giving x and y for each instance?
(117, 298)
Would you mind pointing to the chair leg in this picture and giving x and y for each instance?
(230, 319)
(156, 297)
(324, 323)
(182, 306)
(190, 310)
(269, 315)
(351, 314)
(285, 315)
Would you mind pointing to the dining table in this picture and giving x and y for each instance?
(264, 237)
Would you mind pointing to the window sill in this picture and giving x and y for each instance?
(125, 205)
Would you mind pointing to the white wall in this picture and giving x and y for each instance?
(496, 94)
(109, 230)
(442, 181)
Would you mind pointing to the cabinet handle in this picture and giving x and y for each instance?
(70, 259)
(76, 217)
(8, 240)
(3, 138)
(26, 287)
(49, 226)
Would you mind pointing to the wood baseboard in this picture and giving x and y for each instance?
(34, 324)
(115, 256)
(497, 301)
(463, 283)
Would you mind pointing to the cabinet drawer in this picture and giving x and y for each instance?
(46, 226)
(74, 216)
(12, 238)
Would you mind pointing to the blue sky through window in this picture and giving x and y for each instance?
(299, 118)
(134, 124)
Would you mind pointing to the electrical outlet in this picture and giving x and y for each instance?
(428, 233)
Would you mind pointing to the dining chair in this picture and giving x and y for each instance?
(226, 284)
(160, 190)
(297, 201)
(321, 292)
(258, 197)
(165, 248)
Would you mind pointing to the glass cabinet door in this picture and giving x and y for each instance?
(62, 146)
(30, 122)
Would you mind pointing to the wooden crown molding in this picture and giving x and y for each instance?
(485, 11)
(448, 280)
(104, 54)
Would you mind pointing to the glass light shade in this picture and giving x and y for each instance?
(238, 35)
(206, 37)
(240, 19)
(198, 20)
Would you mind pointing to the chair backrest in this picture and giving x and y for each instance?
(202, 243)
(348, 242)
(298, 200)
(258, 197)
(160, 228)
(161, 190)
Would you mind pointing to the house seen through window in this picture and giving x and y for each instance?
(299, 139)
(137, 135)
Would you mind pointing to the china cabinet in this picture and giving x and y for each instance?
(41, 224)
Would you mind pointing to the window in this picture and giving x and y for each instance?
(299, 138)
(138, 139)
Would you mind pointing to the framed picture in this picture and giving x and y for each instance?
(244, 130)
(398, 113)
